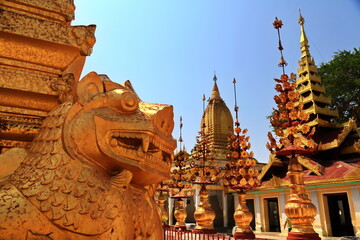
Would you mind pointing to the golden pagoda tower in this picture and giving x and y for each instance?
(311, 88)
(41, 55)
(218, 123)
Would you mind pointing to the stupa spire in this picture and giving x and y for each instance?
(303, 39)
(215, 91)
(310, 86)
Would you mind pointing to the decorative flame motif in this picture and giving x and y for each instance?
(180, 175)
(240, 174)
(180, 179)
(203, 167)
(289, 119)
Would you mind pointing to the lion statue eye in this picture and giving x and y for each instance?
(123, 100)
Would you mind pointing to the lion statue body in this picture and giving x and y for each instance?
(90, 172)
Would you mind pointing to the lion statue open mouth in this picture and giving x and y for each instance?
(90, 172)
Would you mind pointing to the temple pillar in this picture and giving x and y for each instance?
(317, 223)
(197, 197)
(257, 216)
(355, 194)
(283, 217)
(171, 210)
(225, 209)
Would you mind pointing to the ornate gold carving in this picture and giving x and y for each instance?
(54, 10)
(21, 77)
(276, 182)
(11, 144)
(89, 171)
(357, 145)
(24, 113)
(37, 45)
(75, 36)
(348, 127)
(354, 175)
(314, 167)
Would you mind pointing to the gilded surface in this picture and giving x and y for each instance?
(276, 182)
(299, 208)
(89, 173)
(37, 45)
(243, 217)
(21, 77)
(204, 215)
(180, 213)
(57, 10)
(12, 22)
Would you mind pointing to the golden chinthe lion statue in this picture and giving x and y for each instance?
(91, 171)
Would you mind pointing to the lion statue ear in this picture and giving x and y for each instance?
(89, 86)
(127, 84)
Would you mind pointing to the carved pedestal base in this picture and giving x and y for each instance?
(302, 236)
(243, 217)
(180, 214)
(204, 215)
(299, 209)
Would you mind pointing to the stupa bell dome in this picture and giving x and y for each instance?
(218, 122)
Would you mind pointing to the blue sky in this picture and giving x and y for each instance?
(170, 49)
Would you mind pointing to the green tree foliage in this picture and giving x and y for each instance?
(341, 77)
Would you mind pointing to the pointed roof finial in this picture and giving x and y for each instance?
(215, 91)
(301, 19)
(236, 108)
(303, 39)
(203, 99)
(180, 138)
(203, 125)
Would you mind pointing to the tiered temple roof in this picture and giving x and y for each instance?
(338, 156)
(310, 86)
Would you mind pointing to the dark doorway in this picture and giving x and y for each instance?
(231, 209)
(273, 214)
(215, 200)
(339, 212)
(190, 209)
(250, 205)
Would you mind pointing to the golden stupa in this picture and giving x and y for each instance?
(218, 123)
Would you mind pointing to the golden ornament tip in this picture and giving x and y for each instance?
(301, 19)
